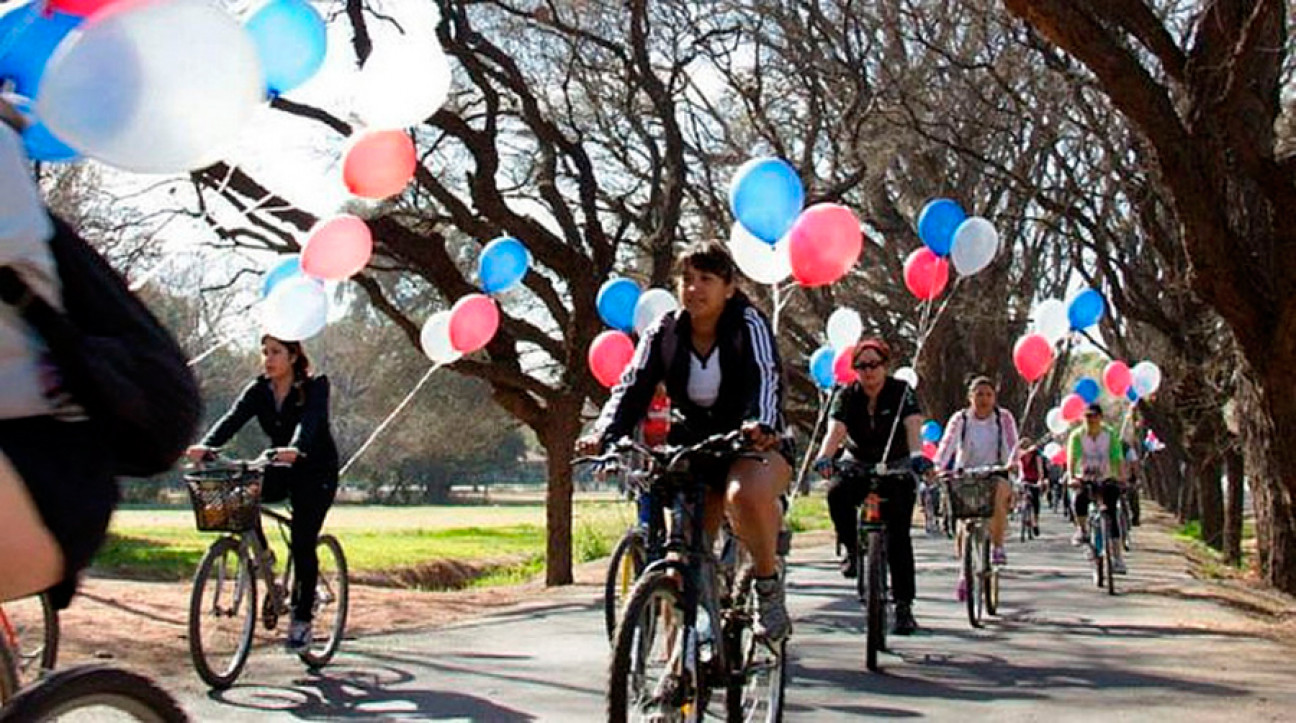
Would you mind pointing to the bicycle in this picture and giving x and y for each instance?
(34, 646)
(1100, 533)
(226, 497)
(933, 520)
(631, 553)
(1026, 511)
(971, 493)
(687, 625)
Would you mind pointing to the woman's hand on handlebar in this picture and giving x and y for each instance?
(824, 466)
(200, 453)
(760, 437)
(589, 445)
(286, 456)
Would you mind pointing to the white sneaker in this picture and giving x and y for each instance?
(1079, 538)
(299, 636)
(1118, 566)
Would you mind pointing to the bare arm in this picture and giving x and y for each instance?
(832, 440)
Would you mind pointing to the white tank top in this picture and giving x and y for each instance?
(704, 379)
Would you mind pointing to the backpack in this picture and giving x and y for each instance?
(115, 358)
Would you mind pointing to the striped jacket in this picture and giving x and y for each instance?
(751, 386)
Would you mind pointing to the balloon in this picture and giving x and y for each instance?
(337, 249)
(153, 86)
(824, 243)
(1117, 378)
(842, 370)
(616, 303)
(929, 450)
(907, 375)
(1051, 320)
(388, 94)
(1132, 394)
(1051, 449)
(41, 145)
(296, 309)
(1145, 378)
(926, 274)
(975, 244)
(609, 354)
(1073, 407)
(650, 307)
(821, 368)
(290, 40)
(1054, 421)
(759, 261)
(844, 328)
(931, 430)
(1088, 389)
(28, 38)
(937, 224)
(474, 320)
(1059, 458)
(502, 264)
(80, 8)
(286, 269)
(1032, 355)
(1085, 308)
(766, 196)
(379, 164)
(435, 339)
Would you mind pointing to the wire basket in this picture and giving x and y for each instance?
(972, 497)
(224, 500)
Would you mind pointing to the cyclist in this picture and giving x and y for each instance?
(1133, 466)
(982, 435)
(1094, 454)
(722, 371)
(1033, 477)
(56, 486)
(878, 419)
(292, 408)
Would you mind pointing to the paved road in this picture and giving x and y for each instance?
(1061, 651)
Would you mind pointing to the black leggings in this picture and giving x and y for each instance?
(845, 496)
(311, 494)
(1111, 492)
(1034, 491)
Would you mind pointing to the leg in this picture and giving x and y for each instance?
(752, 502)
(311, 499)
(1035, 494)
(30, 558)
(843, 499)
(1134, 506)
(897, 511)
(1080, 510)
(1003, 503)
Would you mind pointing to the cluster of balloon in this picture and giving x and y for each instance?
(1118, 380)
(1055, 319)
(831, 364)
(294, 304)
(462, 329)
(627, 309)
(950, 237)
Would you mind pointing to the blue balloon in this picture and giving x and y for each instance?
(616, 302)
(1131, 395)
(283, 270)
(39, 142)
(766, 197)
(1088, 390)
(821, 367)
(1085, 309)
(937, 222)
(502, 264)
(27, 40)
(931, 431)
(290, 40)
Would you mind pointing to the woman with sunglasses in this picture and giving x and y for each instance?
(864, 417)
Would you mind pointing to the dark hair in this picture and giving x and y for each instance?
(1094, 409)
(300, 365)
(980, 381)
(872, 342)
(709, 256)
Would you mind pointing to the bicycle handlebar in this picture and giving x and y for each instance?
(986, 471)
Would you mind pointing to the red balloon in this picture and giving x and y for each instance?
(1073, 407)
(926, 274)
(79, 8)
(379, 164)
(1059, 459)
(1032, 355)
(609, 354)
(1117, 378)
(473, 322)
(842, 370)
(824, 243)
(337, 249)
(929, 450)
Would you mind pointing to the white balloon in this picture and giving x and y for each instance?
(407, 76)
(844, 328)
(1145, 377)
(295, 309)
(652, 304)
(1051, 320)
(975, 244)
(1054, 421)
(759, 261)
(435, 339)
(907, 375)
(1051, 449)
(159, 87)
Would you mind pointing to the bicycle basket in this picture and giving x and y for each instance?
(972, 497)
(224, 500)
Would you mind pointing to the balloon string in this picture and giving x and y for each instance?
(219, 345)
(825, 403)
(1030, 400)
(383, 424)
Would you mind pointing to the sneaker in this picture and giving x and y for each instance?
(850, 566)
(299, 636)
(998, 557)
(904, 620)
(961, 589)
(772, 621)
(1079, 538)
(1118, 566)
(1035, 530)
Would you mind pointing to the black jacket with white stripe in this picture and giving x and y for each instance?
(751, 383)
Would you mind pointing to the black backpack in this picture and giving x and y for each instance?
(115, 358)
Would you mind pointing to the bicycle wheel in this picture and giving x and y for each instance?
(874, 572)
(991, 587)
(222, 613)
(759, 677)
(33, 630)
(332, 598)
(8, 673)
(628, 560)
(1096, 546)
(94, 693)
(1108, 555)
(648, 678)
(1125, 526)
(973, 578)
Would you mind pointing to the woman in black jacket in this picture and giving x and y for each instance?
(722, 371)
(292, 408)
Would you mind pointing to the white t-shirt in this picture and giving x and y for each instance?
(1095, 455)
(704, 379)
(982, 445)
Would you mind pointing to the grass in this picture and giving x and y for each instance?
(1210, 562)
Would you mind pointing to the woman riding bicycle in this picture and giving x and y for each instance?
(1095, 462)
(722, 371)
(292, 408)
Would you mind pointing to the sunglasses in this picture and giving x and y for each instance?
(865, 366)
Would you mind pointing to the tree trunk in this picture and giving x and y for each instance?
(1233, 465)
(1267, 415)
(1210, 503)
(1188, 508)
(558, 435)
